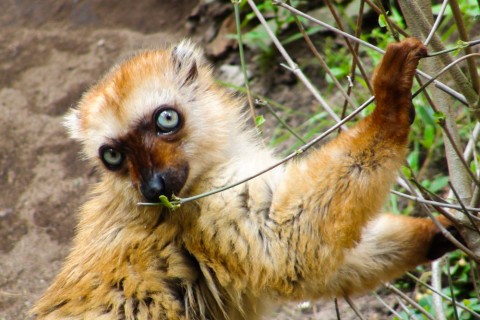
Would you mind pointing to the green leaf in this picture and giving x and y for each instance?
(428, 136)
(259, 120)
(424, 115)
(406, 172)
(382, 21)
(439, 117)
(438, 184)
(339, 72)
(473, 166)
(413, 159)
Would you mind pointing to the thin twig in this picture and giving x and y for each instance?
(337, 310)
(242, 61)
(473, 275)
(354, 307)
(434, 203)
(459, 154)
(433, 79)
(452, 293)
(405, 308)
(387, 306)
(292, 66)
(383, 13)
(257, 96)
(467, 154)
(264, 103)
(426, 193)
(394, 25)
(305, 147)
(464, 209)
(409, 300)
(322, 62)
(353, 50)
(444, 296)
(356, 60)
(463, 45)
(437, 22)
(327, 26)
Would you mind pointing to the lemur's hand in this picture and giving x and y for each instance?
(392, 83)
(397, 68)
(439, 244)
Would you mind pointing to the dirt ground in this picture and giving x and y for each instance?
(50, 52)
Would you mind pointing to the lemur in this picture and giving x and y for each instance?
(158, 124)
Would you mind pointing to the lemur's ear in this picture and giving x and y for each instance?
(72, 123)
(186, 59)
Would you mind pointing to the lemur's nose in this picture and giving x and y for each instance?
(153, 187)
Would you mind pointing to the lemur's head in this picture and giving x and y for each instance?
(157, 120)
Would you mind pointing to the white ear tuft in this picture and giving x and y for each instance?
(72, 123)
(186, 59)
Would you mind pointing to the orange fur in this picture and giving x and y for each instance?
(307, 230)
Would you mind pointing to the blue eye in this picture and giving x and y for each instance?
(167, 120)
(112, 158)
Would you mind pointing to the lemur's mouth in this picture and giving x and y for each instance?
(163, 183)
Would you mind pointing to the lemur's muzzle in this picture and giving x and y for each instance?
(166, 182)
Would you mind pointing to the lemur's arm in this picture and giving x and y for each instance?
(307, 240)
(345, 183)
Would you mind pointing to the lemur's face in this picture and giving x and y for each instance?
(151, 121)
(150, 153)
